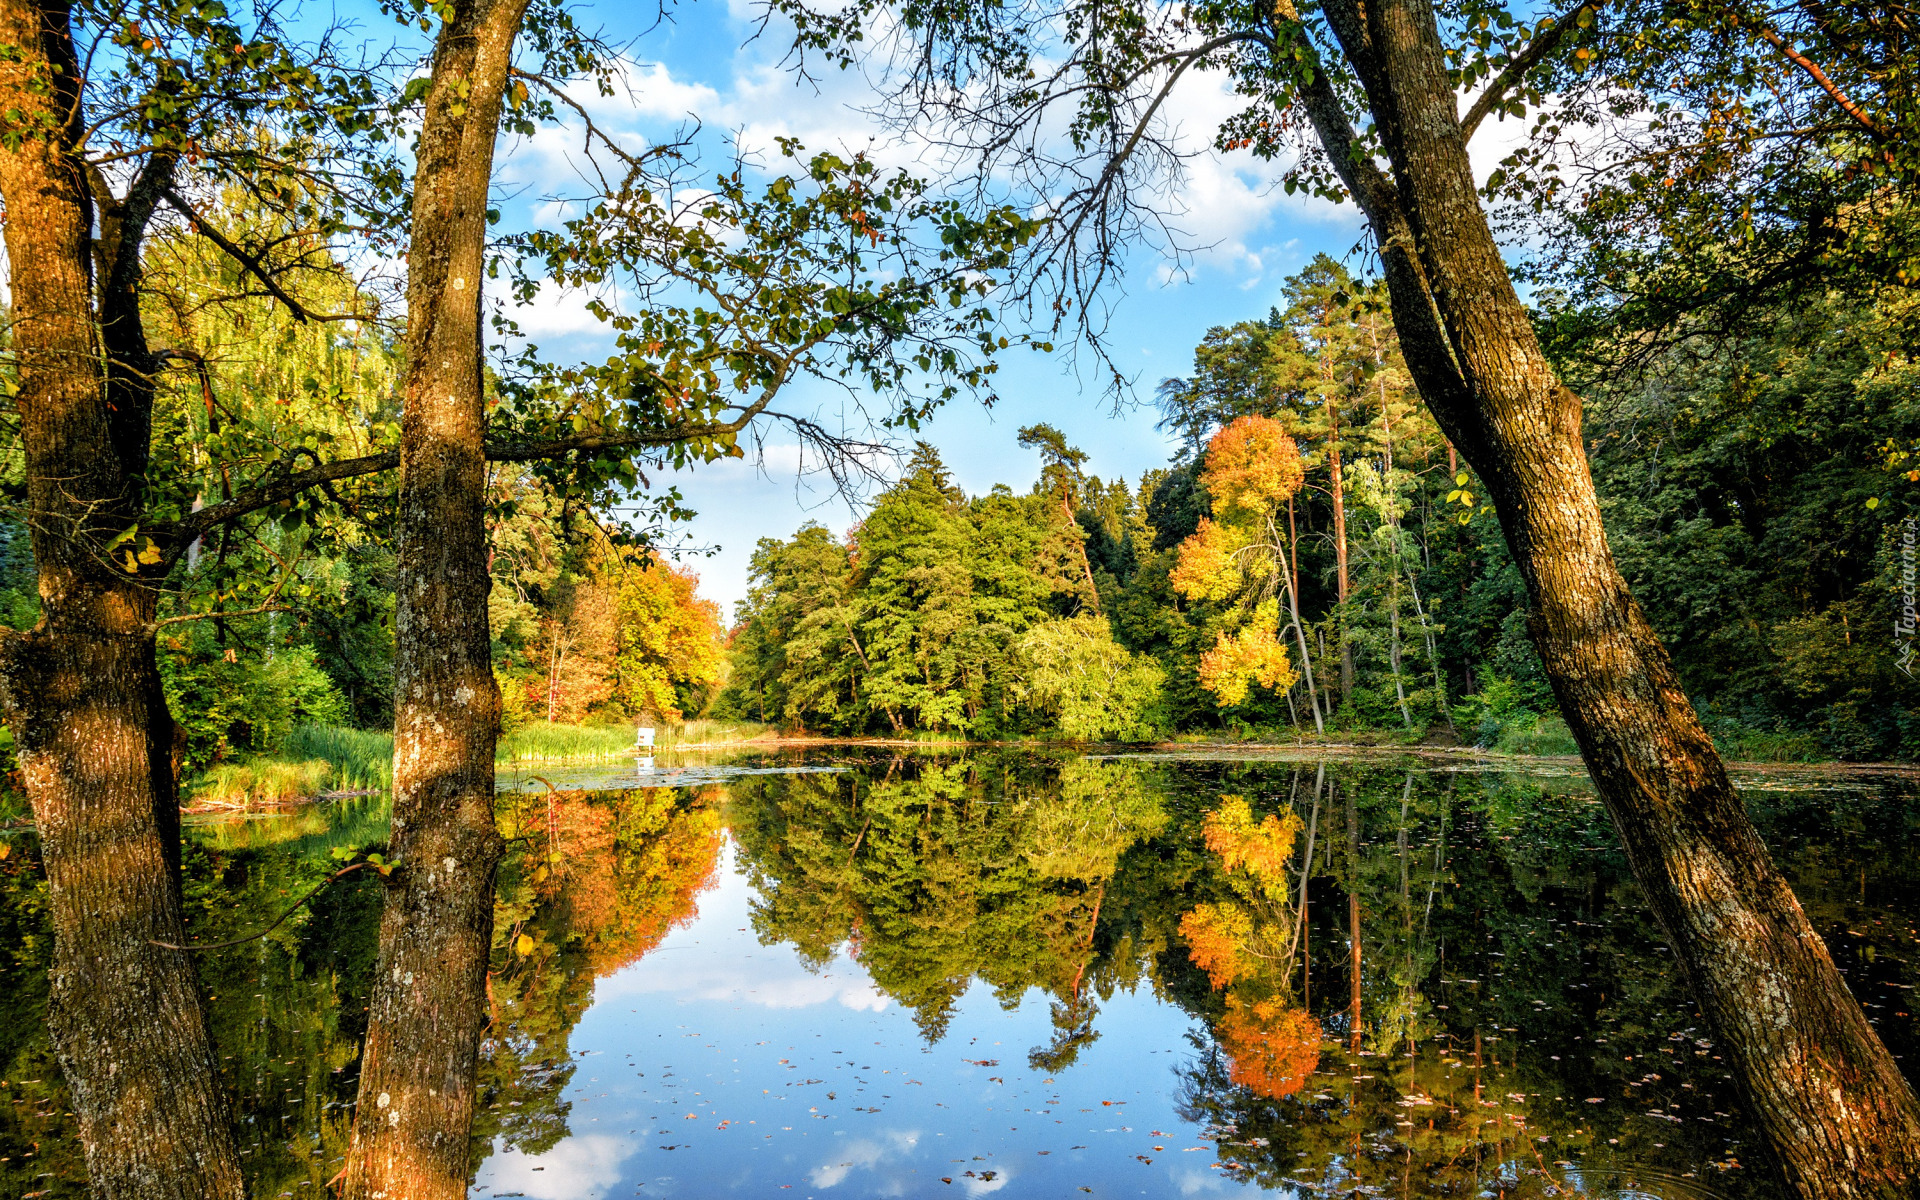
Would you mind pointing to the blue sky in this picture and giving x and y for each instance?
(704, 64)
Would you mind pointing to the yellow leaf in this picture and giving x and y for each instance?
(523, 945)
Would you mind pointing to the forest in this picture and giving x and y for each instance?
(353, 366)
(1754, 501)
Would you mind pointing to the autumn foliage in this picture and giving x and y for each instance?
(1252, 654)
(1252, 467)
(1259, 848)
(1207, 566)
(1273, 1048)
(1216, 937)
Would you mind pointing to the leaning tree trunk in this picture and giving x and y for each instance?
(417, 1074)
(82, 689)
(1841, 1120)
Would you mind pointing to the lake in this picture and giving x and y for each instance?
(853, 973)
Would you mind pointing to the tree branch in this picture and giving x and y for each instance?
(1528, 58)
(253, 265)
(284, 485)
(1769, 35)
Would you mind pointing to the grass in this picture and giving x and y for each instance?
(318, 758)
(1742, 744)
(362, 759)
(262, 781)
(544, 743)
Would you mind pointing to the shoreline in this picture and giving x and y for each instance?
(1224, 751)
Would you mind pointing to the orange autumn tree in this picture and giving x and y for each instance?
(1240, 559)
(1246, 943)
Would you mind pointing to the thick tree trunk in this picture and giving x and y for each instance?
(1840, 1118)
(429, 1008)
(82, 689)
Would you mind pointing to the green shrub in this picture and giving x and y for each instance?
(1544, 735)
(248, 704)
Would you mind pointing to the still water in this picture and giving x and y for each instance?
(832, 976)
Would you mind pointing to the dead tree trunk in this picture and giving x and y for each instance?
(82, 689)
(429, 1005)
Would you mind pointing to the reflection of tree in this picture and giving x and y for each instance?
(596, 880)
(1272, 1049)
(1510, 975)
(937, 873)
(1246, 943)
(37, 1131)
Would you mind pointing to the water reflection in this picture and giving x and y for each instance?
(1021, 974)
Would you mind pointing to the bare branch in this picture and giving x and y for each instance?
(254, 266)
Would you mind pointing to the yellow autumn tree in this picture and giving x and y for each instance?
(1241, 558)
(671, 655)
(1251, 655)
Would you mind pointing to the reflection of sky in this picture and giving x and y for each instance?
(716, 1065)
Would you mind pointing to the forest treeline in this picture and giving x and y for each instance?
(1754, 497)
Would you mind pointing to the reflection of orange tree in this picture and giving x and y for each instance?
(599, 880)
(938, 873)
(1246, 944)
(1273, 1048)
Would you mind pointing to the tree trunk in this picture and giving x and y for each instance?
(82, 689)
(1841, 1120)
(1292, 577)
(1340, 554)
(1354, 1023)
(429, 1009)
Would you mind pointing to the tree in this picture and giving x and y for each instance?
(1244, 559)
(794, 292)
(1061, 477)
(1840, 1117)
(152, 106)
(1091, 687)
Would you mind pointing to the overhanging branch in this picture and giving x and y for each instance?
(1528, 58)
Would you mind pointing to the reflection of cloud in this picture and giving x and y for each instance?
(864, 999)
(865, 1154)
(1201, 1183)
(751, 980)
(577, 1168)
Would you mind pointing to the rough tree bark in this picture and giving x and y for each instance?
(428, 1009)
(82, 689)
(1841, 1120)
